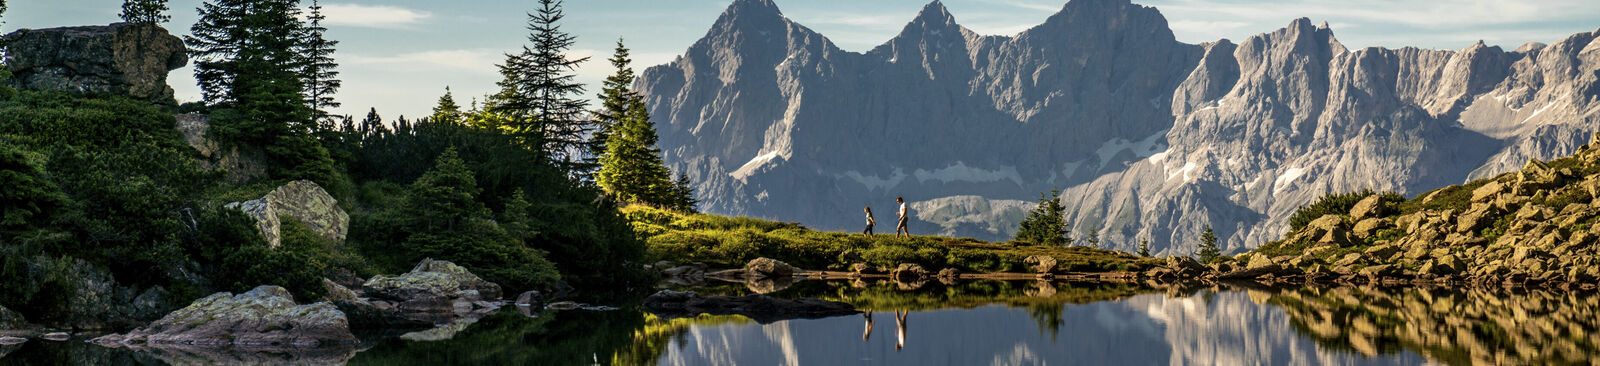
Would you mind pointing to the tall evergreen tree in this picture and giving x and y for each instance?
(683, 194)
(539, 96)
(1144, 248)
(630, 167)
(145, 11)
(320, 75)
(447, 110)
(1046, 224)
(614, 97)
(246, 58)
(1208, 246)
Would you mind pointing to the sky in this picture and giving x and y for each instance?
(399, 55)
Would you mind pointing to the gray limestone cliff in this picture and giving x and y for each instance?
(1150, 138)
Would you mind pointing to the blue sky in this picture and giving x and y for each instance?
(398, 55)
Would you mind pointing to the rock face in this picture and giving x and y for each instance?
(434, 292)
(266, 315)
(763, 309)
(11, 320)
(1152, 137)
(93, 298)
(121, 58)
(303, 200)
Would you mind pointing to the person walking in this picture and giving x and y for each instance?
(905, 214)
(870, 222)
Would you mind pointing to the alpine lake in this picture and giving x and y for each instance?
(979, 322)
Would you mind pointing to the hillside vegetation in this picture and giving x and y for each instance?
(722, 241)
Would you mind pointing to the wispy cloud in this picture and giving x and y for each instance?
(478, 61)
(372, 16)
(1049, 6)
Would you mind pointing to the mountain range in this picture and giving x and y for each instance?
(1149, 138)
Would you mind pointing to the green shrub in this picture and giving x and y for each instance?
(1334, 204)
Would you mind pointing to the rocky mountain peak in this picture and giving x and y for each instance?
(934, 13)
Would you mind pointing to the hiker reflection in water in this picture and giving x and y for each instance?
(867, 333)
(900, 327)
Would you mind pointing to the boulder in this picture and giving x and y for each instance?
(266, 315)
(763, 309)
(9, 340)
(56, 336)
(121, 58)
(908, 273)
(11, 320)
(1487, 192)
(1371, 207)
(1369, 227)
(949, 273)
(1041, 263)
(862, 268)
(434, 292)
(302, 200)
(1182, 264)
(767, 267)
(1259, 261)
(1382, 252)
(688, 275)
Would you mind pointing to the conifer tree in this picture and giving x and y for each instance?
(683, 194)
(1208, 246)
(320, 74)
(1046, 224)
(447, 110)
(614, 97)
(1144, 248)
(631, 168)
(145, 11)
(539, 95)
(246, 59)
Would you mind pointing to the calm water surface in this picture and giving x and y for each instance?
(982, 323)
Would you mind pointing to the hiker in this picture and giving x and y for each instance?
(904, 215)
(900, 327)
(867, 333)
(870, 222)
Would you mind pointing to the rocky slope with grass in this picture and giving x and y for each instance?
(1150, 138)
(1534, 226)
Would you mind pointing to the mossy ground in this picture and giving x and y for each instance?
(722, 241)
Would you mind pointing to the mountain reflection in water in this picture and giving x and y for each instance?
(988, 323)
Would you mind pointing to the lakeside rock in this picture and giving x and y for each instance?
(767, 267)
(121, 58)
(10, 319)
(303, 200)
(763, 309)
(433, 292)
(264, 316)
(1041, 263)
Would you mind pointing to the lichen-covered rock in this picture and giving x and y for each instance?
(434, 292)
(121, 58)
(241, 166)
(908, 273)
(767, 267)
(266, 315)
(302, 200)
(1041, 263)
(10, 319)
(1370, 207)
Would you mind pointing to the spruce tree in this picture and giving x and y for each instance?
(631, 168)
(1046, 224)
(539, 95)
(246, 59)
(683, 194)
(1144, 248)
(145, 11)
(614, 97)
(447, 111)
(1208, 246)
(320, 74)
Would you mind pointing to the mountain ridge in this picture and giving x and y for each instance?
(1098, 99)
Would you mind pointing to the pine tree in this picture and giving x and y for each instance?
(683, 194)
(614, 97)
(539, 96)
(320, 74)
(631, 165)
(246, 59)
(447, 111)
(1208, 246)
(1094, 239)
(1046, 224)
(445, 196)
(1144, 248)
(145, 11)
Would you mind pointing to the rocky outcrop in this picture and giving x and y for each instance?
(92, 297)
(1532, 226)
(1152, 138)
(302, 200)
(763, 309)
(266, 315)
(11, 320)
(241, 166)
(434, 292)
(121, 58)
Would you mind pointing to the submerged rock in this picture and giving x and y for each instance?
(121, 58)
(266, 315)
(763, 309)
(302, 200)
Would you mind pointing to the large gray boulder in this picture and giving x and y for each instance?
(303, 200)
(434, 292)
(121, 58)
(264, 316)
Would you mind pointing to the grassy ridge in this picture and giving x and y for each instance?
(722, 241)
